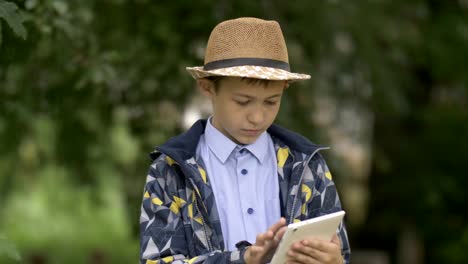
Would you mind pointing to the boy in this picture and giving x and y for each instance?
(224, 191)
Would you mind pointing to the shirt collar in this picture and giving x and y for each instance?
(222, 146)
(260, 147)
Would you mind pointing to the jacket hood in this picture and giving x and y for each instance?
(183, 146)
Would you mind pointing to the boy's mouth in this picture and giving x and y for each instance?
(252, 132)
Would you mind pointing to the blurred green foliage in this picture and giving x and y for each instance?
(87, 88)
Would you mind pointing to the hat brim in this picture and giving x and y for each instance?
(257, 72)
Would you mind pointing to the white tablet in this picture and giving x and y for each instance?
(322, 227)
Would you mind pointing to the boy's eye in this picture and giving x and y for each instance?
(242, 102)
(271, 102)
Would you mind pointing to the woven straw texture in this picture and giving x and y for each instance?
(246, 38)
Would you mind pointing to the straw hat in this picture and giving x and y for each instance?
(247, 47)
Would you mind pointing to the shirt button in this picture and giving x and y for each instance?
(242, 151)
(250, 210)
(244, 171)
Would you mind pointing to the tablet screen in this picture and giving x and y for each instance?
(322, 227)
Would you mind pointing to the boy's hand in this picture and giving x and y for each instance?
(316, 251)
(265, 245)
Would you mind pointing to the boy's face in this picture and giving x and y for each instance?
(243, 110)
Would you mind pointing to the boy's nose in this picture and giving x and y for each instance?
(256, 117)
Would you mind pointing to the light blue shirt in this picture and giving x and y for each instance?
(245, 184)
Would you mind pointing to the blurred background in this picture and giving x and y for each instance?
(88, 88)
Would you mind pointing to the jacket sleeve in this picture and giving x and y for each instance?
(326, 200)
(163, 238)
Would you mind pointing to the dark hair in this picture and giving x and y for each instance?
(217, 79)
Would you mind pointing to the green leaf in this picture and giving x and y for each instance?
(8, 11)
(30, 4)
(9, 249)
(60, 7)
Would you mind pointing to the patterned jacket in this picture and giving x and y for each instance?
(179, 221)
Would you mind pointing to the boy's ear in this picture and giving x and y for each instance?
(206, 87)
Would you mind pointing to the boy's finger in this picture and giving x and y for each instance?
(276, 226)
(336, 240)
(279, 235)
(260, 239)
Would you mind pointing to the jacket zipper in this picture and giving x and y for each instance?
(291, 218)
(203, 220)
